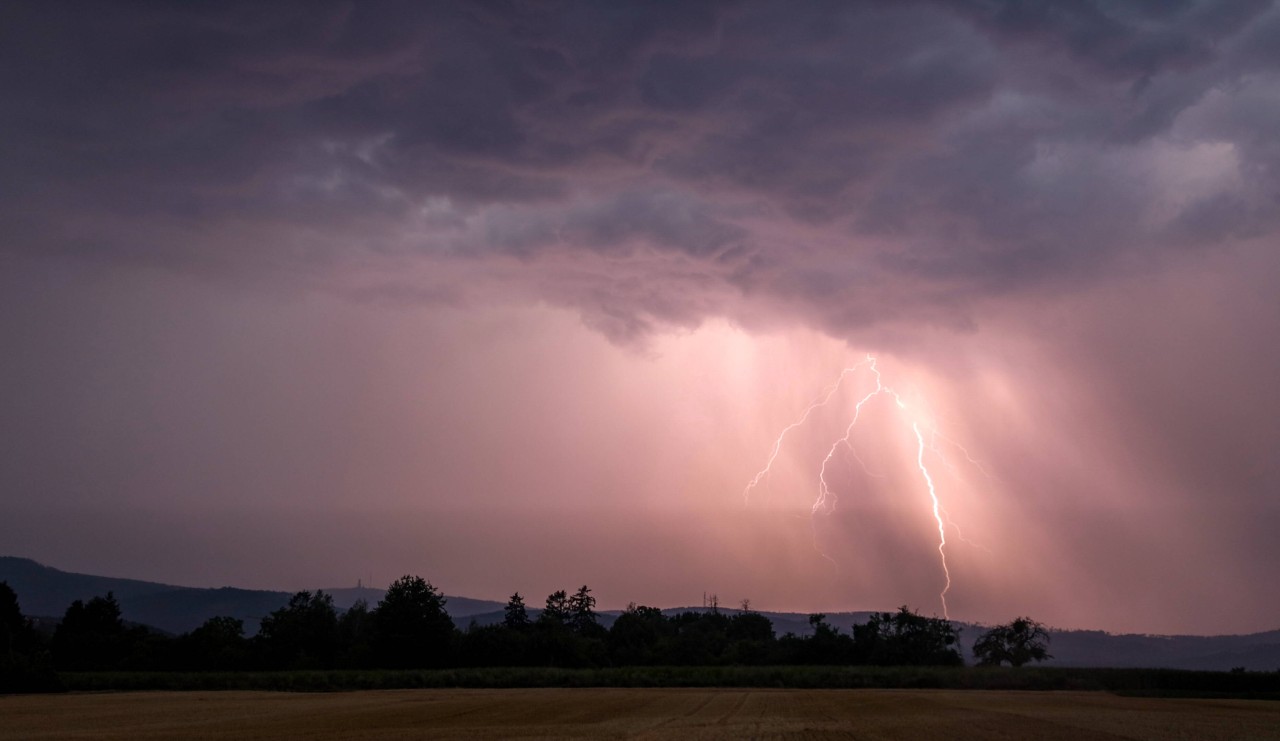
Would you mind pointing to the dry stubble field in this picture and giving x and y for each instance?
(633, 713)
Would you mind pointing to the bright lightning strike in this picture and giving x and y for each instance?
(942, 531)
(826, 500)
(934, 436)
(777, 444)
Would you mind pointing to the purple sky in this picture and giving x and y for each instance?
(518, 296)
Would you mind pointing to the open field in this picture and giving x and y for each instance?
(633, 713)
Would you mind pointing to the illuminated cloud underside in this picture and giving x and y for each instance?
(521, 296)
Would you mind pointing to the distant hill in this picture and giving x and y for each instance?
(1255, 652)
(45, 592)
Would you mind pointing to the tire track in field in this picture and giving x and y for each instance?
(681, 720)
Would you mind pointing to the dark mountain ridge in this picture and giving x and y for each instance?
(46, 592)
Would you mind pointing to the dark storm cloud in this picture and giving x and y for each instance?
(965, 149)
(614, 225)
(317, 257)
(1120, 40)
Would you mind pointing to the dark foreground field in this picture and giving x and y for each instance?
(634, 713)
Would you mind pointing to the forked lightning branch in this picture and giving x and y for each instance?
(825, 502)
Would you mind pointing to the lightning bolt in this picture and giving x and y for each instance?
(818, 403)
(934, 436)
(826, 499)
(942, 530)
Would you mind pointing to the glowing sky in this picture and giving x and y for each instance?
(518, 296)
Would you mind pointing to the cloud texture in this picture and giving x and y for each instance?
(805, 156)
(1016, 200)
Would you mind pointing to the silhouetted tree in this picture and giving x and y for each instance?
(91, 635)
(218, 644)
(356, 636)
(751, 638)
(1017, 642)
(556, 608)
(25, 665)
(826, 645)
(906, 638)
(13, 625)
(582, 615)
(303, 634)
(567, 633)
(700, 638)
(515, 616)
(495, 645)
(750, 626)
(638, 634)
(413, 628)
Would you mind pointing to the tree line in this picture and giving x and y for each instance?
(410, 629)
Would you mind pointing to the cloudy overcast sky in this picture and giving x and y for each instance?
(520, 295)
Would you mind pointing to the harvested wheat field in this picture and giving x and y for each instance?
(633, 713)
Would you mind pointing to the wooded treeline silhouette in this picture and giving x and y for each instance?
(410, 629)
